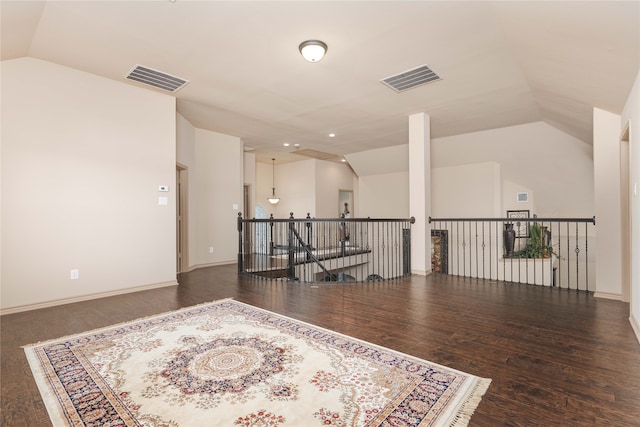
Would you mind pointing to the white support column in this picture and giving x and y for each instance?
(606, 175)
(420, 191)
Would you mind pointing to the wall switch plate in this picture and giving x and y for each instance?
(163, 201)
(163, 188)
(74, 274)
(235, 206)
(210, 249)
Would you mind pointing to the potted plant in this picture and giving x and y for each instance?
(538, 245)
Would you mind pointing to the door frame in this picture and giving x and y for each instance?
(625, 213)
(182, 218)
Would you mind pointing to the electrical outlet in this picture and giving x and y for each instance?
(74, 274)
(210, 249)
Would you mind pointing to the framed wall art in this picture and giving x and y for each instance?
(521, 227)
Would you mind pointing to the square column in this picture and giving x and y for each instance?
(420, 192)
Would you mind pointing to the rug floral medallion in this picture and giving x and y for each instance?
(230, 364)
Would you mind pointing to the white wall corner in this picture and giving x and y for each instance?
(606, 176)
(635, 326)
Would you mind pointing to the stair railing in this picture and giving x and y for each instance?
(325, 250)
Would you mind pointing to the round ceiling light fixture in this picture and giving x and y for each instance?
(313, 50)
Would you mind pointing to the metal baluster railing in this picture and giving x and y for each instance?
(333, 249)
(548, 251)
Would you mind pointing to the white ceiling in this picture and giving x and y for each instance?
(502, 63)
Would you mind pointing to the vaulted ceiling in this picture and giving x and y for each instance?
(501, 63)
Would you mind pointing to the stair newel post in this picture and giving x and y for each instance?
(309, 236)
(343, 236)
(240, 254)
(290, 266)
(271, 246)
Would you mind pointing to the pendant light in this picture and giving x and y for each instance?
(273, 199)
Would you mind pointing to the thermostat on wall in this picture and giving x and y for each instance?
(163, 188)
(523, 197)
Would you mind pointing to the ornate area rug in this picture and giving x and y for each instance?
(230, 364)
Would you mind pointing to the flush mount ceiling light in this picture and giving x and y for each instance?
(313, 50)
(273, 199)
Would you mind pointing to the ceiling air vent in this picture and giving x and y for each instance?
(411, 78)
(156, 78)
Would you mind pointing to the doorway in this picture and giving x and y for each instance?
(182, 234)
(345, 203)
(625, 214)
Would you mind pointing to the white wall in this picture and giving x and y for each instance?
(557, 167)
(631, 116)
(382, 187)
(82, 159)
(606, 170)
(308, 186)
(295, 185)
(331, 177)
(467, 191)
(384, 196)
(510, 201)
(218, 185)
(250, 180)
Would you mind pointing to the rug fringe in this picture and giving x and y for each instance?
(470, 404)
(128, 322)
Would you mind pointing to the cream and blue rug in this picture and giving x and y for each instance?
(230, 364)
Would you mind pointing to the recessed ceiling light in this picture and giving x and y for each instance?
(286, 144)
(296, 145)
(331, 135)
(344, 160)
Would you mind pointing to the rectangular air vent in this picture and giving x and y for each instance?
(156, 78)
(314, 154)
(411, 78)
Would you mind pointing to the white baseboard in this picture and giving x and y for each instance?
(421, 272)
(81, 298)
(635, 326)
(212, 264)
(608, 295)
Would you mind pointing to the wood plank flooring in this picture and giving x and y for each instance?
(556, 357)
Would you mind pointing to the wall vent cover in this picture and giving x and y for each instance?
(156, 78)
(411, 78)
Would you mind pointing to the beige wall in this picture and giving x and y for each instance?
(558, 174)
(467, 191)
(558, 168)
(330, 179)
(384, 196)
(216, 177)
(308, 186)
(218, 181)
(82, 159)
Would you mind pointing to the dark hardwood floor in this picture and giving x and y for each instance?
(556, 357)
